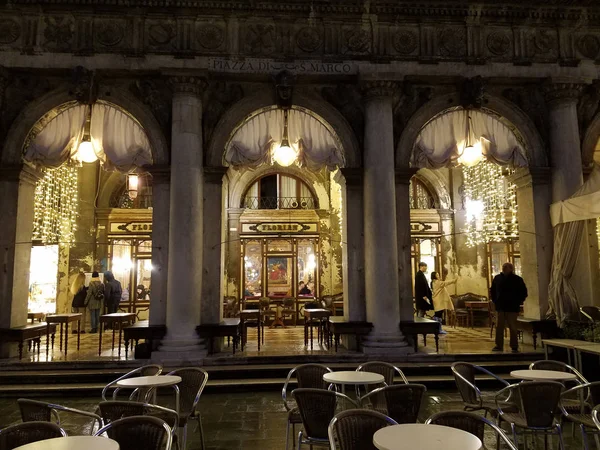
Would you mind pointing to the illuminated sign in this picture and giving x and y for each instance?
(131, 227)
(280, 228)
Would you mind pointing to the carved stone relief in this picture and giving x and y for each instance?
(543, 43)
(58, 32)
(499, 43)
(405, 42)
(161, 34)
(109, 33)
(452, 42)
(589, 46)
(260, 39)
(308, 39)
(10, 30)
(210, 36)
(356, 41)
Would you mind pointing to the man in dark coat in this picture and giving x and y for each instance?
(112, 292)
(508, 293)
(422, 291)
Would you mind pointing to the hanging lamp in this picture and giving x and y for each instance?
(471, 154)
(284, 153)
(85, 151)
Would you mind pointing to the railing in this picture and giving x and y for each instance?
(279, 203)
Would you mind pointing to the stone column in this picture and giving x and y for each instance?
(405, 274)
(567, 176)
(184, 284)
(353, 253)
(17, 185)
(161, 176)
(381, 257)
(212, 298)
(535, 236)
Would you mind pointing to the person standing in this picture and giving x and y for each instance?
(94, 300)
(79, 292)
(423, 297)
(112, 292)
(441, 298)
(508, 293)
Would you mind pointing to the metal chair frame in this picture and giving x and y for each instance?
(595, 414)
(364, 368)
(376, 392)
(35, 425)
(580, 378)
(584, 404)
(501, 435)
(136, 419)
(131, 374)
(340, 416)
(55, 409)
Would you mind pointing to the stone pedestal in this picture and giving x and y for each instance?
(381, 258)
(161, 176)
(353, 250)
(184, 285)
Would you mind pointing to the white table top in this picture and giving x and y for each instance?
(151, 381)
(542, 375)
(73, 443)
(418, 436)
(588, 347)
(353, 377)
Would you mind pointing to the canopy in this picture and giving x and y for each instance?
(583, 205)
(251, 144)
(119, 141)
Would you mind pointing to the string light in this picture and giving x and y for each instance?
(55, 208)
(493, 200)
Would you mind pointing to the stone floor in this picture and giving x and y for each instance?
(249, 421)
(278, 342)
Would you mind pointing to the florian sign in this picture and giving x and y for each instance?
(131, 228)
(253, 65)
(280, 228)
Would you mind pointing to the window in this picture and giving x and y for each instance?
(279, 192)
(420, 196)
(500, 253)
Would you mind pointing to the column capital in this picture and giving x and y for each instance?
(353, 176)
(379, 89)
(161, 174)
(559, 92)
(186, 84)
(214, 175)
(20, 172)
(404, 174)
(532, 176)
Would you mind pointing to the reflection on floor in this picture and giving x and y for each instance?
(278, 342)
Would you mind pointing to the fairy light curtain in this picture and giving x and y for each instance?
(442, 140)
(119, 141)
(252, 143)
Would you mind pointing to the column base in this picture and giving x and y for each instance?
(178, 350)
(390, 344)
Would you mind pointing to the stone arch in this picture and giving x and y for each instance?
(436, 183)
(26, 120)
(533, 143)
(590, 141)
(264, 98)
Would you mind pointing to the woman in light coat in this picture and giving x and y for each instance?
(441, 297)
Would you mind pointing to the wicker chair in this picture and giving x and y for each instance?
(464, 375)
(539, 407)
(193, 381)
(388, 371)
(595, 416)
(28, 432)
(575, 406)
(139, 433)
(317, 407)
(139, 393)
(471, 423)
(34, 410)
(307, 376)
(354, 429)
(558, 366)
(401, 402)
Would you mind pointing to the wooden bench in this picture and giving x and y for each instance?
(228, 327)
(421, 326)
(547, 328)
(336, 326)
(143, 330)
(32, 333)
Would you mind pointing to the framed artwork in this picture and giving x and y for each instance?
(278, 271)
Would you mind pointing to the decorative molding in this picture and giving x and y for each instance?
(187, 84)
(532, 176)
(379, 89)
(214, 175)
(559, 93)
(10, 30)
(161, 174)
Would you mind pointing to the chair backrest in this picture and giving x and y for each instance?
(382, 368)
(596, 416)
(327, 302)
(558, 366)
(193, 381)
(139, 432)
(118, 409)
(404, 401)
(307, 376)
(289, 302)
(36, 411)
(28, 432)
(592, 313)
(458, 301)
(464, 376)
(264, 302)
(539, 402)
(312, 305)
(317, 408)
(469, 422)
(354, 429)
(144, 371)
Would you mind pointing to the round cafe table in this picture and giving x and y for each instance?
(542, 375)
(354, 378)
(418, 436)
(73, 443)
(153, 381)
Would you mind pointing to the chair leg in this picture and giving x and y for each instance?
(294, 434)
(515, 437)
(584, 438)
(299, 440)
(287, 435)
(561, 444)
(183, 439)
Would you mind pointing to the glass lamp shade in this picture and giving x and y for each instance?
(471, 155)
(85, 152)
(132, 185)
(285, 155)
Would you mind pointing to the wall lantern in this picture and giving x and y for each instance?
(85, 151)
(133, 181)
(471, 154)
(284, 154)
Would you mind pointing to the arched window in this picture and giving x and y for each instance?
(279, 191)
(420, 195)
(143, 200)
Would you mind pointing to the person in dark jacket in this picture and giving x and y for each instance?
(422, 291)
(112, 292)
(508, 293)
